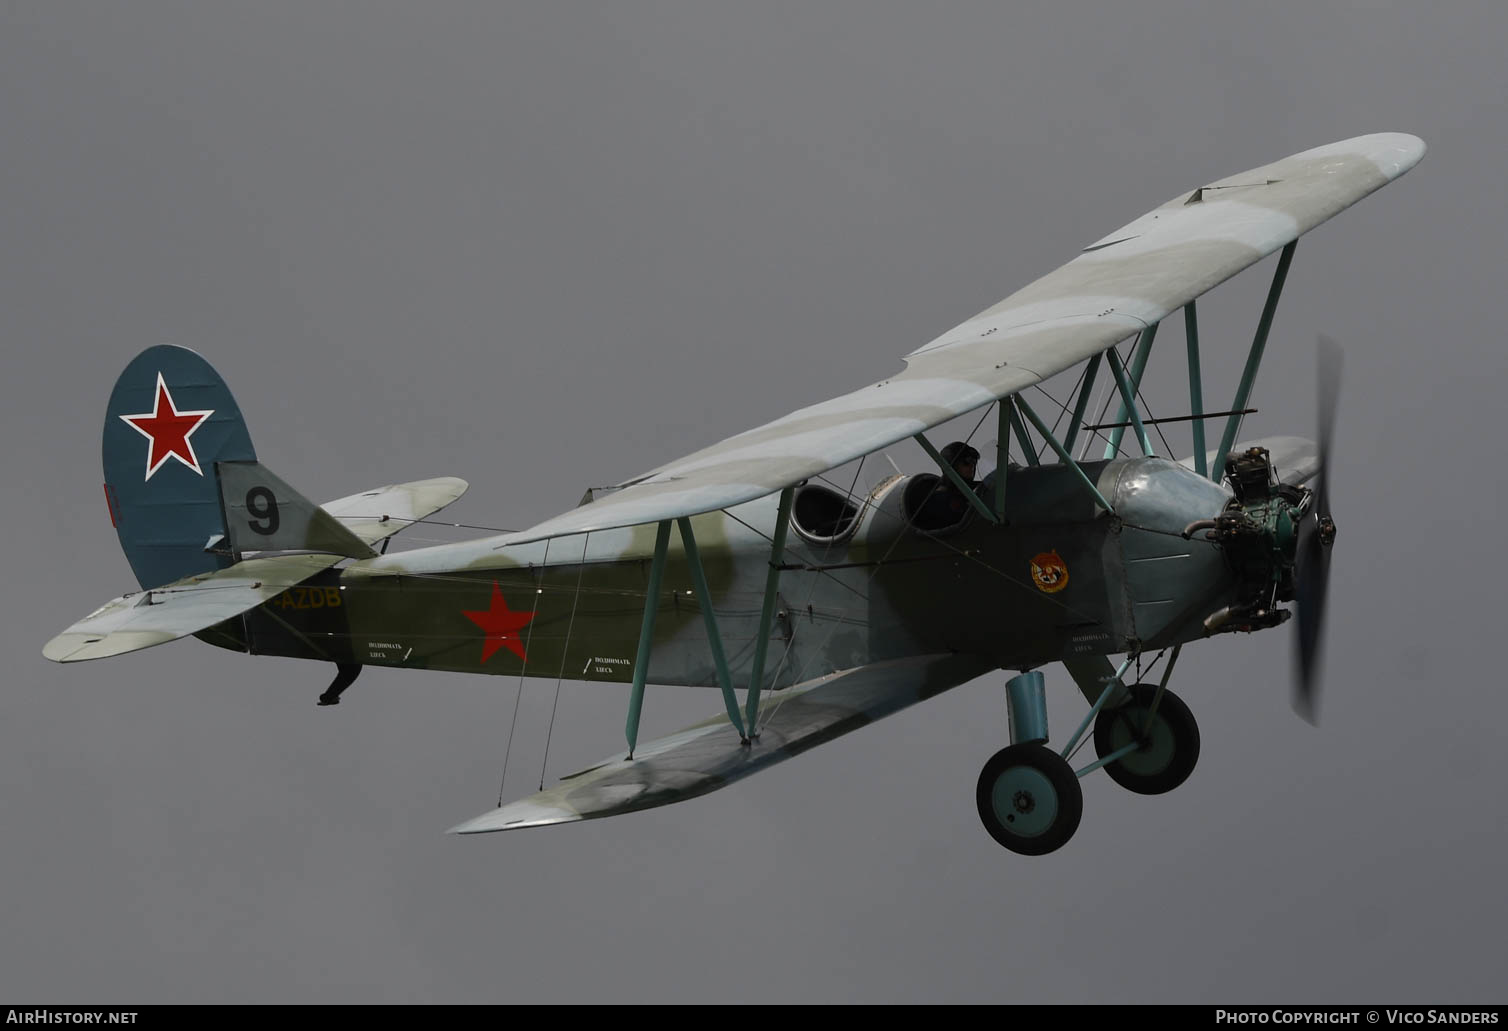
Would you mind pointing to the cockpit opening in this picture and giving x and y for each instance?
(822, 514)
(934, 503)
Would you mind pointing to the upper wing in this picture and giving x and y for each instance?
(144, 618)
(1118, 285)
(709, 755)
(375, 514)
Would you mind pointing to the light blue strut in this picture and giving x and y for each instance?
(1078, 409)
(1253, 361)
(1151, 712)
(1002, 458)
(1027, 448)
(767, 613)
(714, 639)
(1128, 397)
(1063, 454)
(1139, 355)
(957, 481)
(1196, 388)
(1099, 704)
(646, 634)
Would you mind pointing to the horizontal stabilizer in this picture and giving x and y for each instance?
(184, 607)
(375, 514)
(708, 756)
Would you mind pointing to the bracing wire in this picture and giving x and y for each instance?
(1167, 448)
(1109, 392)
(564, 651)
(523, 671)
(1141, 674)
(833, 626)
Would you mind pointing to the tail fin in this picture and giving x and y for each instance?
(170, 419)
(186, 492)
(265, 514)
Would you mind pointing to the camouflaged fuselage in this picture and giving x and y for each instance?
(1060, 578)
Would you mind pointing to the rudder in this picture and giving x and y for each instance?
(170, 419)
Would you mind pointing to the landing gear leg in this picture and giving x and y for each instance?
(345, 676)
(1028, 797)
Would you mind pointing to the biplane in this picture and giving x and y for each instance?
(813, 608)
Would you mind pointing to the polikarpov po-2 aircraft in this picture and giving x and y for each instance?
(743, 567)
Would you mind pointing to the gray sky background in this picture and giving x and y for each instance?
(550, 245)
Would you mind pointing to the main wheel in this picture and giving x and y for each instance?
(1169, 741)
(1029, 800)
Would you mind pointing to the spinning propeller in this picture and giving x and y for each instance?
(1315, 536)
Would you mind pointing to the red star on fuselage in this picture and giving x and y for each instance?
(169, 430)
(500, 626)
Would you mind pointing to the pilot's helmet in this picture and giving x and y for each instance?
(959, 451)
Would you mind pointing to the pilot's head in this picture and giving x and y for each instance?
(963, 459)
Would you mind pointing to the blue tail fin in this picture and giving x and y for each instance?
(171, 418)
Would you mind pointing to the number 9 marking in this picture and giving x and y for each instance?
(261, 503)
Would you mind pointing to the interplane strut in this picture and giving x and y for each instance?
(1196, 387)
(1128, 400)
(958, 481)
(1078, 409)
(1253, 361)
(1062, 451)
(767, 612)
(1139, 355)
(646, 633)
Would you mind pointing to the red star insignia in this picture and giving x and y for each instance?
(169, 430)
(500, 625)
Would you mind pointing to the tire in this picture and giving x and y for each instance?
(1029, 799)
(1170, 752)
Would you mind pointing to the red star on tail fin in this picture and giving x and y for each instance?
(168, 430)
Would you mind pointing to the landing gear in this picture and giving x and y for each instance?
(1168, 741)
(1028, 796)
(1029, 799)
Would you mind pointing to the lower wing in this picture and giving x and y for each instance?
(708, 756)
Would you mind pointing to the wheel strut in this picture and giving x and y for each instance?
(1026, 702)
(1027, 796)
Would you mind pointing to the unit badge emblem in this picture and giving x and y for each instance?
(1049, 573)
